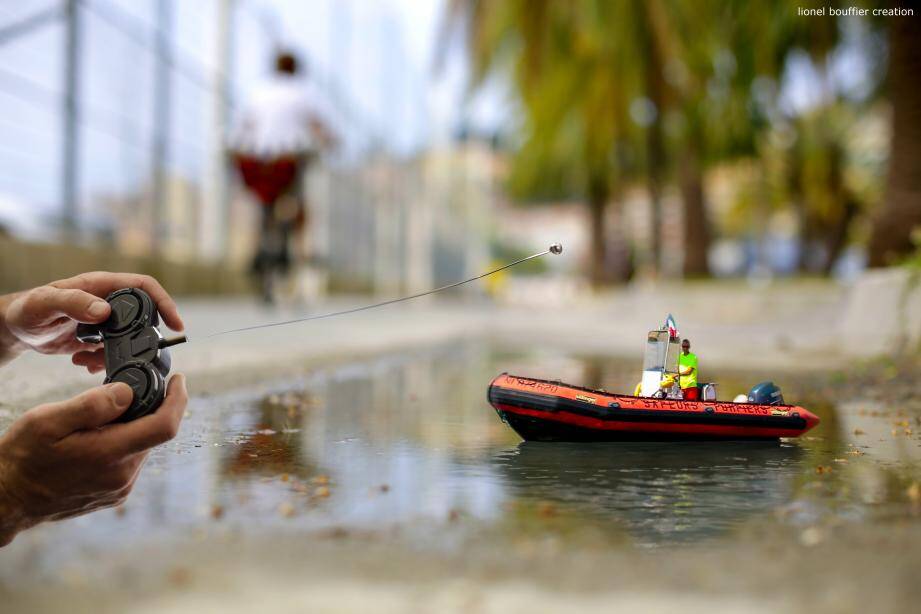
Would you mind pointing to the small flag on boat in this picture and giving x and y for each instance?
(671, 326)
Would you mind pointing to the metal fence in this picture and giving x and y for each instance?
(112, 121)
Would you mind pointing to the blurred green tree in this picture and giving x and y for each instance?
(900, 214)
(613, 92)
(818, 186)
(724, 62)
(575, 82)
(661, 91)
(708, 68)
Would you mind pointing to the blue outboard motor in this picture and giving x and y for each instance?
(766, 393)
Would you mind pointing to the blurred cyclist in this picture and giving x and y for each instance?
(277, 136)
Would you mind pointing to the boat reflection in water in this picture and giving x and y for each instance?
(659, 492)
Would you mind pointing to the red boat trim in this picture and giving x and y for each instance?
(656, 429)
(602, 392)
(534, 403)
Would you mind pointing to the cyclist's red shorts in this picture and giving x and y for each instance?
(691, 394)
(268, 179)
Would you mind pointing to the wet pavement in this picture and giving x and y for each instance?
(407, 443)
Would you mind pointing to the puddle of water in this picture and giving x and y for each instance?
(408, 441)
(660, 494)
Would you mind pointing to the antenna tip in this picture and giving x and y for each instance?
(556, 249)
(165, 343)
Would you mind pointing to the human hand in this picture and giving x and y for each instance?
(66, 459)
(45, 318)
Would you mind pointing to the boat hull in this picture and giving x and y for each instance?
(540, 410)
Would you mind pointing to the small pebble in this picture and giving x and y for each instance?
(180, 576)
(337, 533)
(811, 536)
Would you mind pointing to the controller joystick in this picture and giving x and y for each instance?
(135, 351)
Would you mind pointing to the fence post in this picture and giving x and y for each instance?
(214, 219)
(161, 122)
(70, 149)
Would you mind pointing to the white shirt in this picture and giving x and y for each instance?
(276, 121)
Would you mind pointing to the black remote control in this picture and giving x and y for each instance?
(135, 351)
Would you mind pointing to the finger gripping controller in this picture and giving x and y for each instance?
(135, 351)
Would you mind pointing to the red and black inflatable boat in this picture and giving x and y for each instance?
(541, 410)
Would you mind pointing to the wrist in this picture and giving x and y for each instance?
(10, 345)
(12, 516)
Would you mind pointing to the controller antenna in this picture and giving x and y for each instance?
(165, 343)
(555, 249)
